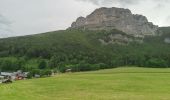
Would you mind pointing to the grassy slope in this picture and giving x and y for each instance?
(114, 84)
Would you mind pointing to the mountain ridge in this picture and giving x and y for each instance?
(116, 18)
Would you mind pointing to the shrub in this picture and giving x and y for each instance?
(155, 62)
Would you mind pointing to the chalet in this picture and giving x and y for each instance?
(19, 75)
(7, 75)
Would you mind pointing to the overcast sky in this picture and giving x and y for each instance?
(22, 17)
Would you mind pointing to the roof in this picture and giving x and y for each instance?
(24, 74)
(6, 74)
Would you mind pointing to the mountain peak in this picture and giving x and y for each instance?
(116, 18)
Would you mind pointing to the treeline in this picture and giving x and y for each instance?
(78, 63)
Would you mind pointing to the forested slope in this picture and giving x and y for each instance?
(82, 50)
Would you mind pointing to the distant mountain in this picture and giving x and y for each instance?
(116, 18)
(133, 41)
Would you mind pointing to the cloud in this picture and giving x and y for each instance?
(110, 2)
(4, 21)
(167, 21)
(123, 2)
(4, 26)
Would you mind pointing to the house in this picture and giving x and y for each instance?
(19, 75)
(8, 75)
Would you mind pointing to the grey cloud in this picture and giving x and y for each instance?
(160, 4)
(4, 21)
(106, 2)
(97, 2)
(129, 1)
(124, 2)
(4, 26)
(167, 20)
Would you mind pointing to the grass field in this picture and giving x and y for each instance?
(111, 84)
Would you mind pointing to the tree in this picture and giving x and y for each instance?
(42, 64)
(54, 62)
(6, 65)
(45, 72)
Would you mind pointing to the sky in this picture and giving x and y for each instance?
(24, 17)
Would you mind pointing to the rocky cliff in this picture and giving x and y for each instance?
(117, 18)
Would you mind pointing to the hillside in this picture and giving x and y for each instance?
(113, 84)
(73, 47)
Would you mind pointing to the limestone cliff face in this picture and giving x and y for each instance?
(116, 18)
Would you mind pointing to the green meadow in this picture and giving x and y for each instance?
(126, 83)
